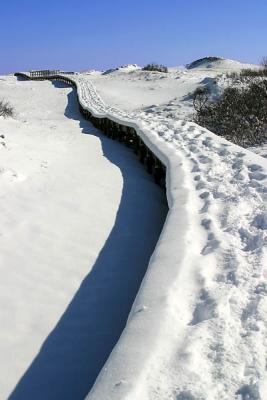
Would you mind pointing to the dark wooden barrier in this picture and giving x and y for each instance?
(115, 131)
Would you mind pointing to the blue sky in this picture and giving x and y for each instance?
(83, 34)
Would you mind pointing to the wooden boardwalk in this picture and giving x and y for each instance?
(115, 131)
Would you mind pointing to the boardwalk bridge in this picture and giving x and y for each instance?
(117, 131)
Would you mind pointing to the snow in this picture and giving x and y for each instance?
(198, 326)
(260, 150)
(220, 64)
(197, 329)
(75, 206)
(168, 95)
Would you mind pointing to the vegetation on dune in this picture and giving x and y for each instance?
(240, 115)
(6, 110)
(155, 67)
(248, 74)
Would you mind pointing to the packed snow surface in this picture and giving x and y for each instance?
(79, 220)
(198, 327)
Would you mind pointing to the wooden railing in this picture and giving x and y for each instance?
(43, 74)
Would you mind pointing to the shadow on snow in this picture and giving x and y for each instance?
(75, 351)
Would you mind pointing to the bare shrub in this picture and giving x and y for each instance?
(200, 97)
(155, 67)
(264, 62)
(6, 110)
(240, 115)
(252, 73)
(249, 74)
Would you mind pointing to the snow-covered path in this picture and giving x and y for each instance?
(202, 330)
(79, 220)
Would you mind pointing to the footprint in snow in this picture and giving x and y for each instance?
(223, 152)
(204, 159)
(195, 168)
(207, 142)
(211, 245)
(205, 207)
(249, 392)
(206, 223)
(241, 175)
(251, 242)
(260, 221)
(185, 395)
(238, 163)
(193, 148)
(257, 175)
(205, 308)
(240, 154)
(204, 195)
(261, 288)
(254, 167)
(231, 278)
(255, 184)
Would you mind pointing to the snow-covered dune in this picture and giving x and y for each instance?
(166, 94)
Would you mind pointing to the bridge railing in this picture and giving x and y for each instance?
(43, 73)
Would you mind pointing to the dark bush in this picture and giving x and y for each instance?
(248, 74)
(264, 62)
(155, 67)
(200, 97)
(240, 115)
(6, 110)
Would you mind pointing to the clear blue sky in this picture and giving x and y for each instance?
(83, 34)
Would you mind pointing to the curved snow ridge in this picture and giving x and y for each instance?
(132, 357)
(198, 326)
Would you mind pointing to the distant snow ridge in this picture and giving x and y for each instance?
(122, 68)
(219, 63)
(198, 327)
(203, 62)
